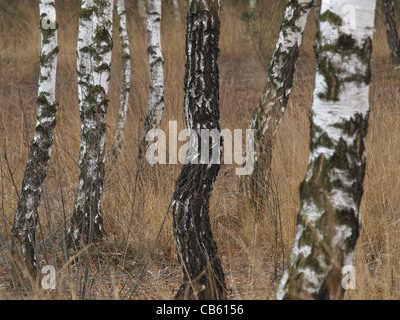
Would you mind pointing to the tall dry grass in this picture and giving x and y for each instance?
(138, 259)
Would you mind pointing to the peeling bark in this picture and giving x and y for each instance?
(197, 250)
(26, 217)
(329, 218)
(126, 80)
(391, 29)
(94, 63)
(273, 102)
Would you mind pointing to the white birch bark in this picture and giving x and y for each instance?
(252, 5)
(273, 102)
(279, 82)
(87, 220)
(329, 218)
(156, 62)
(126, 79)
(84, 73)
(26, 217)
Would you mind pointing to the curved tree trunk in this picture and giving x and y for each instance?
(272, 105)
(155, 108)
(94, 42)
(197, 251)
(26, 217)
(391, 30)
(329, 218)
(126, 80)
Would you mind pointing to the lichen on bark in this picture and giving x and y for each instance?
(94, 63)
(24, 229)
(274, 99)
(329, 218)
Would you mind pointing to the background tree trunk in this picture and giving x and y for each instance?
(141, 7)
(272, 105)
(252, 15)
(87, 222)
(177, 10)
(126, 80)
(197, 251)
(26, 217)
(156, 95)
(391, 30)
(329, 218)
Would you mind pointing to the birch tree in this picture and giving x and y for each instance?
(177, 11)
(141, 6)
(252, 5)
(26, 217)
(156, 90)
(197, 250)
(391, 29)
(94, 63)
(329, 218)
(126, 80)
(252, 15)
(274, 99)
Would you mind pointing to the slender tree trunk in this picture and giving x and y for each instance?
(87, 222)
(391, 30)
(272, 105)
(126, 80)
(26, 217)
(197, 251)
(329, 219)
(141, 6)
(252, 5)
(156, 96)
(177, 11)
(252, 15)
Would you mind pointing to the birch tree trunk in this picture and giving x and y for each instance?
(273, 102)
(177, 11)
(197, 251)
(391, 30)
(94, 42)
(156, 95)
(141, 5)
(329, 219)
(126, 80)
(252, 5)
(26, 217)
(252, 15)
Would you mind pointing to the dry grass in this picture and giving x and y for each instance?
(251, 250)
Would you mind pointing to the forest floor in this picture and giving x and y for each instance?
(155, 277)
(253, 252)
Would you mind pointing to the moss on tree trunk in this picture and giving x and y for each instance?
(329, 219)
